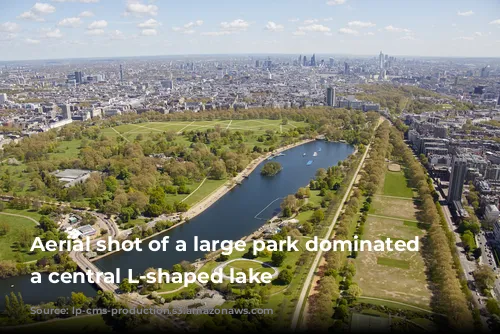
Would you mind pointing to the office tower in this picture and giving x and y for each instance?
(331, 62)
(257, 63)
(381, 60)
(79, 77)
(330, 96)
(313, 60)
(457, 178)
(347, 70)
(498, 102)
(66, 111)
(121, 73)
(485, 71)
(3, 97)
(304, 61)
(300, 60)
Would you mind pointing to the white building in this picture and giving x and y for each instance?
(3, 98)
(491, 213)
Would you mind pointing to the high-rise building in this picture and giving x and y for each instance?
(498, 102)
(331, 62)
(3, 97)
(485, 71)
(347, 69)
(313, 60)
(304, 61)
(121, 73)
(79, 77)
(457, 178)
(300, 60)
(330, 96)
(257, 63)
(381, 60)
(66, 111)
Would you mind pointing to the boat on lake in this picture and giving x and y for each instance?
(304, 155)
(309, 162)
(315, 154)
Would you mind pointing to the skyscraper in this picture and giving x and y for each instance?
(347, 70)
(330, 96)
(304, 61)
(498, 102)
(457, 178)
(300, 60)
(121, 73)
(78, 77)
(66, 111)
(381, 60)
(313, 60)
(257, 63)
(331, 62)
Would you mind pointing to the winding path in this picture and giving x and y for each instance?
(21, 216)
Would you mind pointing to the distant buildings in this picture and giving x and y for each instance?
(3, 98)
(121, 73)
(71, 177)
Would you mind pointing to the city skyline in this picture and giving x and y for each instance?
(57, 29)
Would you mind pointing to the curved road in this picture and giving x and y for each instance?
(21, 216)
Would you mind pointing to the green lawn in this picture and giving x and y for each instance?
(8, 249)
(395, 185)
(385, 261)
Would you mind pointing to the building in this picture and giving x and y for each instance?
(313, 60)
(347, 69)
(79, 77)
(66, 111)
(87, 230)
(168, 84)
(381, 60)
(491, 213)
(331, 65)
(3, 98)
(457, 178)
(70, 177)
(330, 96)
(121, 73)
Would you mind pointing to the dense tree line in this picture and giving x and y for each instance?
(450, 297)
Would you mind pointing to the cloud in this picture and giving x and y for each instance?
(53, 33)
(32, 41)
(311, 21)
(82, 1)
(335, 2)
(348, 31)
(298, 33)
(328, 34)
(479, 34)
(391, 28)
(139, 9)
(187, 28)
(37, 11)
(215, 33)
(271, 26)
(86, 13)
(370, 33)
(116, 34)
(70, 22)
(464, 38)
(495, 22)
(236, 25)
(98, 25)
(314, 28)
(95, 32)
(9, 27)
(408, 38)
(360, 24)
(294, 20)
(151, 23)
(149, 32)
(467, 13)
(328, 19)
(7, 36)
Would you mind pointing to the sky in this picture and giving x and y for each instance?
(53, 29)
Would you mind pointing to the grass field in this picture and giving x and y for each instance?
(395, 185)
(243, 265)
(393, 275)
(8, 249)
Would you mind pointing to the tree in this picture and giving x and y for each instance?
(354, 291)
(218, 171)
(317, 216)
(25, 237)
(285, 276)
(485, 277)
(78, 299)
(278, 258)
(4, 228)
(125, 286)
(468, 241)
(16, 310)
(341, 312)
(290, 202)
(271, 168)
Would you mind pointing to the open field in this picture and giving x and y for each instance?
(8, 248)
(395, 185)
(93, 323)
(393, 207)
(242, 265)
(393, 275)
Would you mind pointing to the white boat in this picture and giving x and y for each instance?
(315, 154)
(304, 155)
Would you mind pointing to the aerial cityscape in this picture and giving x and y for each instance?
(249, 134)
